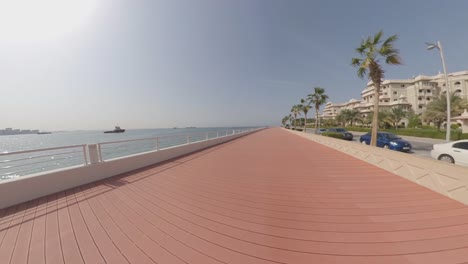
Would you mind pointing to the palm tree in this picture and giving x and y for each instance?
(367, 120)
(414, 120)
(396, 115)
(436, 110)
(295, 110)
(305, 109)
(340, 119)
(350, 115)
(371, 53)
(284, 120)
(318, 98)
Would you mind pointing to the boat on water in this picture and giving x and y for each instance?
(117, 129)
(44, 133)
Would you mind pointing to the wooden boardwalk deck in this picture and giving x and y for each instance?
(270, 197)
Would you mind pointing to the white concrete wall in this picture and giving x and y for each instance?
(31, 187)
(447, 179)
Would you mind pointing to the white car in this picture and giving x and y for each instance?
(453, 152)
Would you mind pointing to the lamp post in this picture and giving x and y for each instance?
(447, 87)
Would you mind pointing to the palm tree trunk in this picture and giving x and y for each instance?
(375, 118)
(316, 118)
(305, 122)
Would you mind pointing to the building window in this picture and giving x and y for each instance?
(402, 85)
(395, 93)
(395, 100)
(420, 90)
(420, 106)
(457, 83)
(428, 91)
(419, 98)
(458, 91)
(428, 98)
(386, 101)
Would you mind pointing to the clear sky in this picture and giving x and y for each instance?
(154, 63)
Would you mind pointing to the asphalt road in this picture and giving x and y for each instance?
(421, 146)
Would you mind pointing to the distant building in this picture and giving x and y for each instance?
(413, 93)
(11, 131)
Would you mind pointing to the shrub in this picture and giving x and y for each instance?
(358, 129)
(333, 135)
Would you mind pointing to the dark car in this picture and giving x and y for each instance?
(320, 131)
(387, 140)
(346, 135)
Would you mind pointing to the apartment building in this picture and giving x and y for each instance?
(415, 93)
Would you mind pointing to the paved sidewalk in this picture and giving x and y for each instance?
(270, 197)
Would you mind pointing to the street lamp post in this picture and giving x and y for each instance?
(447, 87)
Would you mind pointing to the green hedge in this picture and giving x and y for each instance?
(333, 135)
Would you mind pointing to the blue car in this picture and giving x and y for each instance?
(387, 140)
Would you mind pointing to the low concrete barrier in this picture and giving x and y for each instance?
(31, 187)
(447, 179)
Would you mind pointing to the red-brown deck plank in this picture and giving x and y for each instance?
(131, 252)
(21, 251)
(53, 246)
(270, 197)
(9, 240)
(37, 245)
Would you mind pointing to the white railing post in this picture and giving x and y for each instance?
(217, 134)
(93, 154)
(157, 144)
(84, 155)
(100, 152)
(188, 139)
(206, 136)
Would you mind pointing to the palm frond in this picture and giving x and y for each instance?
(390, 40)
(356, 62)
(362, 72)
(361, 50)
(377, 38)
(393, 60)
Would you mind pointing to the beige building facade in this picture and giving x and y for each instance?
(415, 93)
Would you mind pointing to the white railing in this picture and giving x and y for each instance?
(20, 163)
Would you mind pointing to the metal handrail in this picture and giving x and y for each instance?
(37, 157)
(159, 143)
(188, 139)
(39, 150)
(21, 165)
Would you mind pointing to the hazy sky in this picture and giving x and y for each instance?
(152, 63)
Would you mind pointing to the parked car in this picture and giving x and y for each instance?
(320, 131)
(346, 135)
(453, 152)
(387, 140)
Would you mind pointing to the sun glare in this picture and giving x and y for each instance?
(39, 20)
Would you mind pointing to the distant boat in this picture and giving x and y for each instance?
(117, 129)
(191, 127)
(43, 133)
